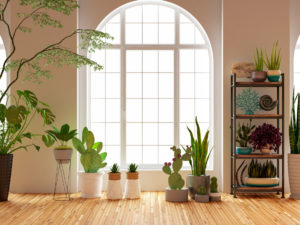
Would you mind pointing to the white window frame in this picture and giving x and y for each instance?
(2, 48)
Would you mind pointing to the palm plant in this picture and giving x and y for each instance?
(294, 127)
(273, 63)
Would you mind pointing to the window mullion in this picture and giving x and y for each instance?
(123, 92)
(176, 80)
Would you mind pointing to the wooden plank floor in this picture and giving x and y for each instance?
(40, 209)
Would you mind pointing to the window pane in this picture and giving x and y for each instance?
(187, 33)
(98, 131)
(166, 33)
(112, 134)
(186, 60)
(134, 61)
(114, 30)
(150, 134)
(198, 37)
(201, 60)
(185, 138)
(202, 110)
(112, 110)
(134, 14)
(150, 13)
(150, 61)
(99, 57)
(166, 110)
(297, 60)
(150, 85)
(184, 19)
(150, 110)
(134, 110)
(133, 33)
(97, 110)
(112, 85)
(166, 14)
(187, 84)
(134, 134)
(134, 154)
(97, 85)
(166, 61)
(113, 155)
(166, 134)
(150, 154)
(115, 19)
(150, 33)
(112, 60)
(166, 85)
(202, 85)
(187, 110)
(133, 85)
(165, 154)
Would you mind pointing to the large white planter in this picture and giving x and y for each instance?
(294, 178)
(114, 190)
(90, 184)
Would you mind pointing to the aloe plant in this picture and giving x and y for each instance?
(273, 63)
(294, 127)
(132, 168)
(243, 134)
(115, 168)
(91, 157)
(259, 60)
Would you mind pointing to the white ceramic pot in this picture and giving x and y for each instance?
(90, 184)
(132, 189)
(114, 190)
(273, 72)
(262, 182)
(294, 178)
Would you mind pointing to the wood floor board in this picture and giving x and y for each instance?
(151, 209)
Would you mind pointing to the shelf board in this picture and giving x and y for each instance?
(258, 84)
(258, 116)
(259, 156)
(258, 189)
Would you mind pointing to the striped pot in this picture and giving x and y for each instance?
(294, 178)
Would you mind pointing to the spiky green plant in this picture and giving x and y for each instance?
(91, 157)
(259, 60)
(243, 134)
(200, 152)
(214, 185)
(201, 190)
(273, 63)
(258, 170)
(175, 180)
(294, 127)
(132, 168)
(115, 168)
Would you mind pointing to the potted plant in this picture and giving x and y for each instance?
(15, 117)
(243, 136)
(132, 185)
(266, 138)
(214, 194)
(259, 75)
(261, 175)
(202, 195)
(273, 63)
(175, 192)
(200, 155)
(62, 152)
(90, 181)
(294, 155)
(114, 188)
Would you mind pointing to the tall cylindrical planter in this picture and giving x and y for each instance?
(132, 186)
(114, 187)
(5, 175)
(90, 184)
(194, 182)
(294, 178)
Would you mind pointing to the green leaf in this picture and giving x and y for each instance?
(78, 145)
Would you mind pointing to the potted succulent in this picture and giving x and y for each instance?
(176, 192)
(273, 63)
(294, 156)
(202, 195)
(259, 75)
(261, 175)
(132, 185)
(266, 138)
(62, 152)
(200, 155)
(114, 187)
(214, 194)
(90, 181)
(242, 137)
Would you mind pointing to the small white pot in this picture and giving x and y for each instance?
(90, 184)
(132, 189)
(273, 72)
(294, 178)
(114, 190)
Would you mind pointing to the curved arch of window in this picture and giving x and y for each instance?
(157, 77)
(3, 80)
(297, 67)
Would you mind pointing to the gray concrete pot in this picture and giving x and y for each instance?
(63, 156)
(215, 197)
(194, 182)
(201, 198)
(176, 195)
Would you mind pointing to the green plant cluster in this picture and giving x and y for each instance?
(214, 185)
(201, 190)
(259, 60)
(115, 168)
(294, 127)
(273, 63)
(62, 136)
(243, 134)
(258, 170)
(132, 168)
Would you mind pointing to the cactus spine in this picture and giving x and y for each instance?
(175, 180)
(213, 185)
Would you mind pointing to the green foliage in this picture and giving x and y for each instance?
(16, 116)
(243, 134)
(213, 185)
(175, 180)
(258, 170)
(62, 136)
(114, 168)
(201, 190)
(259, 60)
(248, 101)
(132, 168)
(273, 63)
(200, 152)
(294, 127)
(91, 157)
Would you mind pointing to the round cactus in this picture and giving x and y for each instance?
(201, 190)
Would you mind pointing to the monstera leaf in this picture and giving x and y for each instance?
(29, 97)
(15, 114)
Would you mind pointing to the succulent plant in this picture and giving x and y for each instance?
(175, 180)
(243, 134)
(115, 168)
(294, 127)
(201, 190)
(213, 185)
(91, 157)
(259, 60)
(132, 168)
(273, 63)
(258, 170)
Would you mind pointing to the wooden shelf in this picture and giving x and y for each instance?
(259, 156)
(258, 84)
(258, 189)
(258, 116)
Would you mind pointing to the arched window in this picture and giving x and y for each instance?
(297, 67)
(157, 77)
(3, 80)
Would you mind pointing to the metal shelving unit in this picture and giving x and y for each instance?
(279, 117)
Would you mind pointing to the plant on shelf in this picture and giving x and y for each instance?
(259, 75)
(294, 156)
(176, 193)
(214, 194)
(266, 138)
(132, 185)
(242, 137)
(202, 195)
(62, 152)
(114, 187)
(248, 101)
(273, 63)
(92, 159)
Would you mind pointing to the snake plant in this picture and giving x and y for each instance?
(273, 63)
(294, 127)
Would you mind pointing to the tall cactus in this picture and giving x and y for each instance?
(294, 127)
(213, 185)
(175, 180)
(91, 158)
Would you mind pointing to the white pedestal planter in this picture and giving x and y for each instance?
(294, 178)
(132, 186)
(90, 184)
(114, 187)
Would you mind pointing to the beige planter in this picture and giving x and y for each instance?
(63, 156)
(90, 184)
(294, 178)
(274, 72)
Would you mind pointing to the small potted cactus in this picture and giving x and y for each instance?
(214, 195)
(90, 181)
(132, 185)
(202, 195)
(175, 192)
(114, 187)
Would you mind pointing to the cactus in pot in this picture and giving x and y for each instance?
(214, 194)
(202, 195)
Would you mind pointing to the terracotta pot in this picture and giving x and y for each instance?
(294, 178)
(132, 176)
(273, 72)
(114, 176)
(259, 76)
